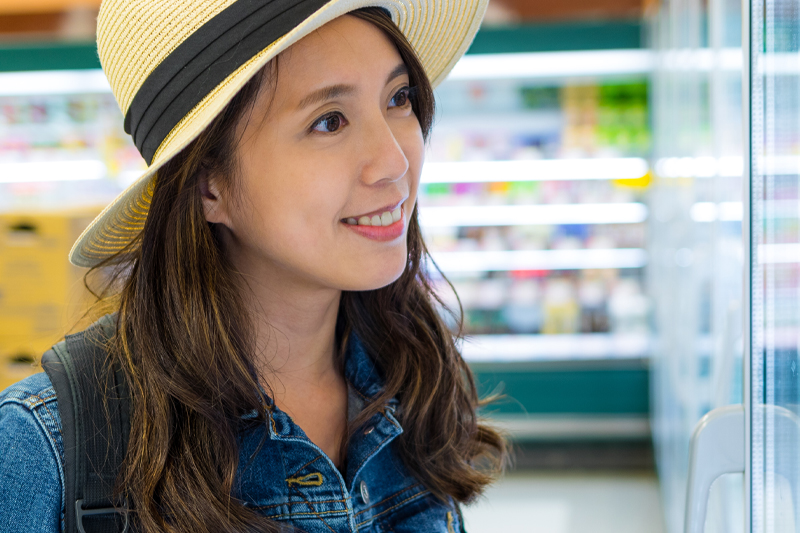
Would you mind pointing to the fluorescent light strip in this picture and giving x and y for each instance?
(781, 165)
(729, 166)
(534, 170)
(700, 60)
(528, 65)
(779, 253)
(778, 63)
(722, 211)
(552, 64)
(519, 348)
(87, 169)
(498, 261)
(53, 82)
(699, 167)
(521, 215)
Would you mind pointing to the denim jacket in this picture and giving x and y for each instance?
(289, 480)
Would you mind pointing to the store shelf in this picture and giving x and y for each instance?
(522, 215)
(523, 226)
(493, 261)
(587, 346)
(535, 170)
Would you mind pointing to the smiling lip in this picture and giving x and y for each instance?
(381, 233)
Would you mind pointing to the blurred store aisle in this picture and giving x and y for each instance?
(569, 503)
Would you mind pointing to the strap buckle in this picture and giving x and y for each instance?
(80, 512)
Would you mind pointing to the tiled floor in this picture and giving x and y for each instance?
(569, 503)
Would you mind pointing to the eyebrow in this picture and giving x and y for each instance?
(334, 91)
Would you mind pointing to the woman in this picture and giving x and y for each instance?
(273, 318)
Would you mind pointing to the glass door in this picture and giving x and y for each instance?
(774, 257)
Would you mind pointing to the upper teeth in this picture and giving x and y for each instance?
(385, 219)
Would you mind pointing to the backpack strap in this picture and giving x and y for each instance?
(95, 431)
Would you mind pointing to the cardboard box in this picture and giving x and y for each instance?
(42, 295)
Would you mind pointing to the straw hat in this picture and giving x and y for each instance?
(173, 65)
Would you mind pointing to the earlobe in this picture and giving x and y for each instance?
(213, 202)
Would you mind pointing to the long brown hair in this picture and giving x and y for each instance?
(185, 343)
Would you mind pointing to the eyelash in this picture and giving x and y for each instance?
(411, 99)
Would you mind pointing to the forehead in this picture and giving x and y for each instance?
(344, 50)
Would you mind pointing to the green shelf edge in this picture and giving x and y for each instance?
(48, 56)
(589, 391)
(559, 37)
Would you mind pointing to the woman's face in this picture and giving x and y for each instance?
(335, 141)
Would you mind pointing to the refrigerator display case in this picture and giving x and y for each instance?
(726, 120)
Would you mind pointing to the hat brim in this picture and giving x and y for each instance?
(439, 30)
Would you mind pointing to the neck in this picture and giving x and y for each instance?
(295, 325)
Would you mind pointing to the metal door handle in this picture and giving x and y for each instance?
(717, 448)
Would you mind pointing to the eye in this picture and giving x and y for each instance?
(331, 123)
(404, 96)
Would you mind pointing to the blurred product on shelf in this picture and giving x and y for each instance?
(42, 296)
(628, 307)
(526, 193)
(594, 311)
(523, 313)
(511, 119)
(540, 237)
(550, 303)
(561, 310)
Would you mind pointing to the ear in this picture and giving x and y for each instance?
(215, 205)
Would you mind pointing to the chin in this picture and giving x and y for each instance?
(374, 279)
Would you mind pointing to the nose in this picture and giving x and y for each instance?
(384, 158)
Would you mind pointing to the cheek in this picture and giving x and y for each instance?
(413, 145)
(295, 208)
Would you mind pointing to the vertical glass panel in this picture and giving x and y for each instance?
(696, 253)
(775, 265)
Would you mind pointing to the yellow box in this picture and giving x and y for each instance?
(33, 258)
(42, 295)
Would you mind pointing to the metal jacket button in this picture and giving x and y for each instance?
(364, 493)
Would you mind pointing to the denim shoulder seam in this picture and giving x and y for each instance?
(30, 402)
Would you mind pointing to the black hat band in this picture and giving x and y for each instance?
(203, 61)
